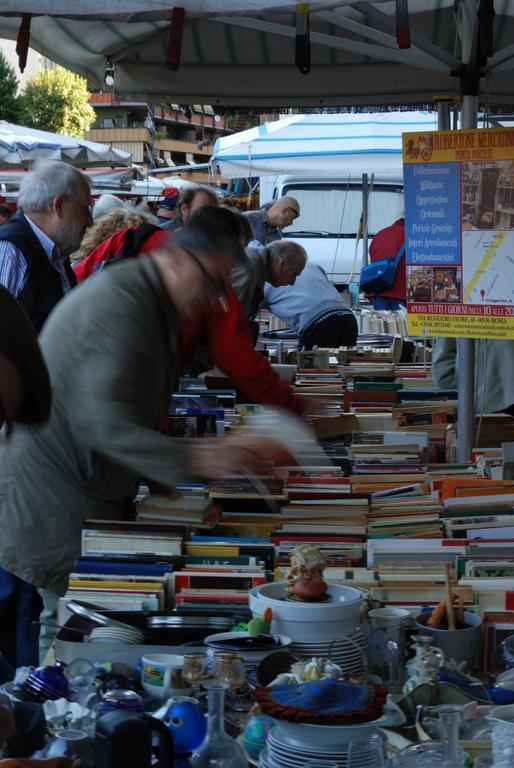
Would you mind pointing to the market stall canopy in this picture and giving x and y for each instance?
(242, 52)
(334, 144)
(20, 147)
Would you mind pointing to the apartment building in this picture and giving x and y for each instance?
(157, 134)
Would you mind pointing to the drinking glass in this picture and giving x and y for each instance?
(195, 668)
(369, 752)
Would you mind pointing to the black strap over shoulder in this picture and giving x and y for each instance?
(134, 240)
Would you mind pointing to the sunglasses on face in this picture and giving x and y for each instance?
(215, 287)
(293, 211)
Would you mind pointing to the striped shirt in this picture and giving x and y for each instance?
(14, 268)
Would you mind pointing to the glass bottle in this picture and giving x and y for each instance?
(218, 750)
(449, 717)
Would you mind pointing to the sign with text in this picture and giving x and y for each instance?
(459, 232)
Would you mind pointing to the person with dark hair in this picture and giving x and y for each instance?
(190, 199)
(25, 396)
(224, 334)
(246, 234)
(111, 390)
(5, 214)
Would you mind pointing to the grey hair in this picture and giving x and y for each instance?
(289, 250)
(45, 180)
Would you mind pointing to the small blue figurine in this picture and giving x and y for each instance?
(188, 726)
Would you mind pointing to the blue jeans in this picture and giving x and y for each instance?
(20, 606)
(384, 302)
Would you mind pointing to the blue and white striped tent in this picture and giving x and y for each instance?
(328, 144)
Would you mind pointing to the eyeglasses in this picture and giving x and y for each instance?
(215, 287)
(293, 211)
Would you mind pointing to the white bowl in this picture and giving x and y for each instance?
(212, 640)
(390, 616)
(323, 621)
(156, 675)
(251, 658)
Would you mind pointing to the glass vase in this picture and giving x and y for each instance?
(218, 750)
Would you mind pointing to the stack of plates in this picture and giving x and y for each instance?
(117, 634)
(283, 751)
(350, 653)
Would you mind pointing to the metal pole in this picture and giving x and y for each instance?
(364, 219)
(466, 347)
(443, 114)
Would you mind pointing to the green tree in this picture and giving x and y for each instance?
(58, 100)
(10, 107)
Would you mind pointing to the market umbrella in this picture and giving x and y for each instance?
(20, 147)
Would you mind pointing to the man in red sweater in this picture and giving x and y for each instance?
(387, 243)
(225, 332)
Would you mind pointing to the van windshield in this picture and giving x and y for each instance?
(334, 209)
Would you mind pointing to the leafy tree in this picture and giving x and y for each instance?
(10, 107)
(58, 100)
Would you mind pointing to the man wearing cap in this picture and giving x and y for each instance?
(25, 396)
(167, 208)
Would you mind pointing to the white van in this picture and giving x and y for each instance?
(331, 209)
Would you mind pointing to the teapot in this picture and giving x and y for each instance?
(124, 740)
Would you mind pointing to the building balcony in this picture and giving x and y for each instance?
(115, 135)
(176, 145)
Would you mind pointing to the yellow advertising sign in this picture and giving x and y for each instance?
(459, 232)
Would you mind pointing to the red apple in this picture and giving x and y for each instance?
(310, 590)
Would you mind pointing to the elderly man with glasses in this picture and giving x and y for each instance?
(54, 211)
(268, 222)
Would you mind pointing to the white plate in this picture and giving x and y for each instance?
(303, 750)
(334, 738)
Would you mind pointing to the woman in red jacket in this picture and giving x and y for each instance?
(225, 331)
(386, 243)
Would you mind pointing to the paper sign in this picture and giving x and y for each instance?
(459, 228)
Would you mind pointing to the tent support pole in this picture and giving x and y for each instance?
(364, 219)
(469, 86)
(466, 347)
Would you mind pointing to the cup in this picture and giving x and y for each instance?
(161, 675)
(458, 644)
(73, 744)
(389, 616)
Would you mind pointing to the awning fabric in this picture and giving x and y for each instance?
(346, 144)
(242, 52)
(20, 146)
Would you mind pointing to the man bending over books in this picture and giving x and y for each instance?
(111, 348)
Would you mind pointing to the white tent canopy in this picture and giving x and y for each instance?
(242, 52)
(20, 147)
(337, 144)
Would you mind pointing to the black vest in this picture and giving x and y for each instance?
(43, 286)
